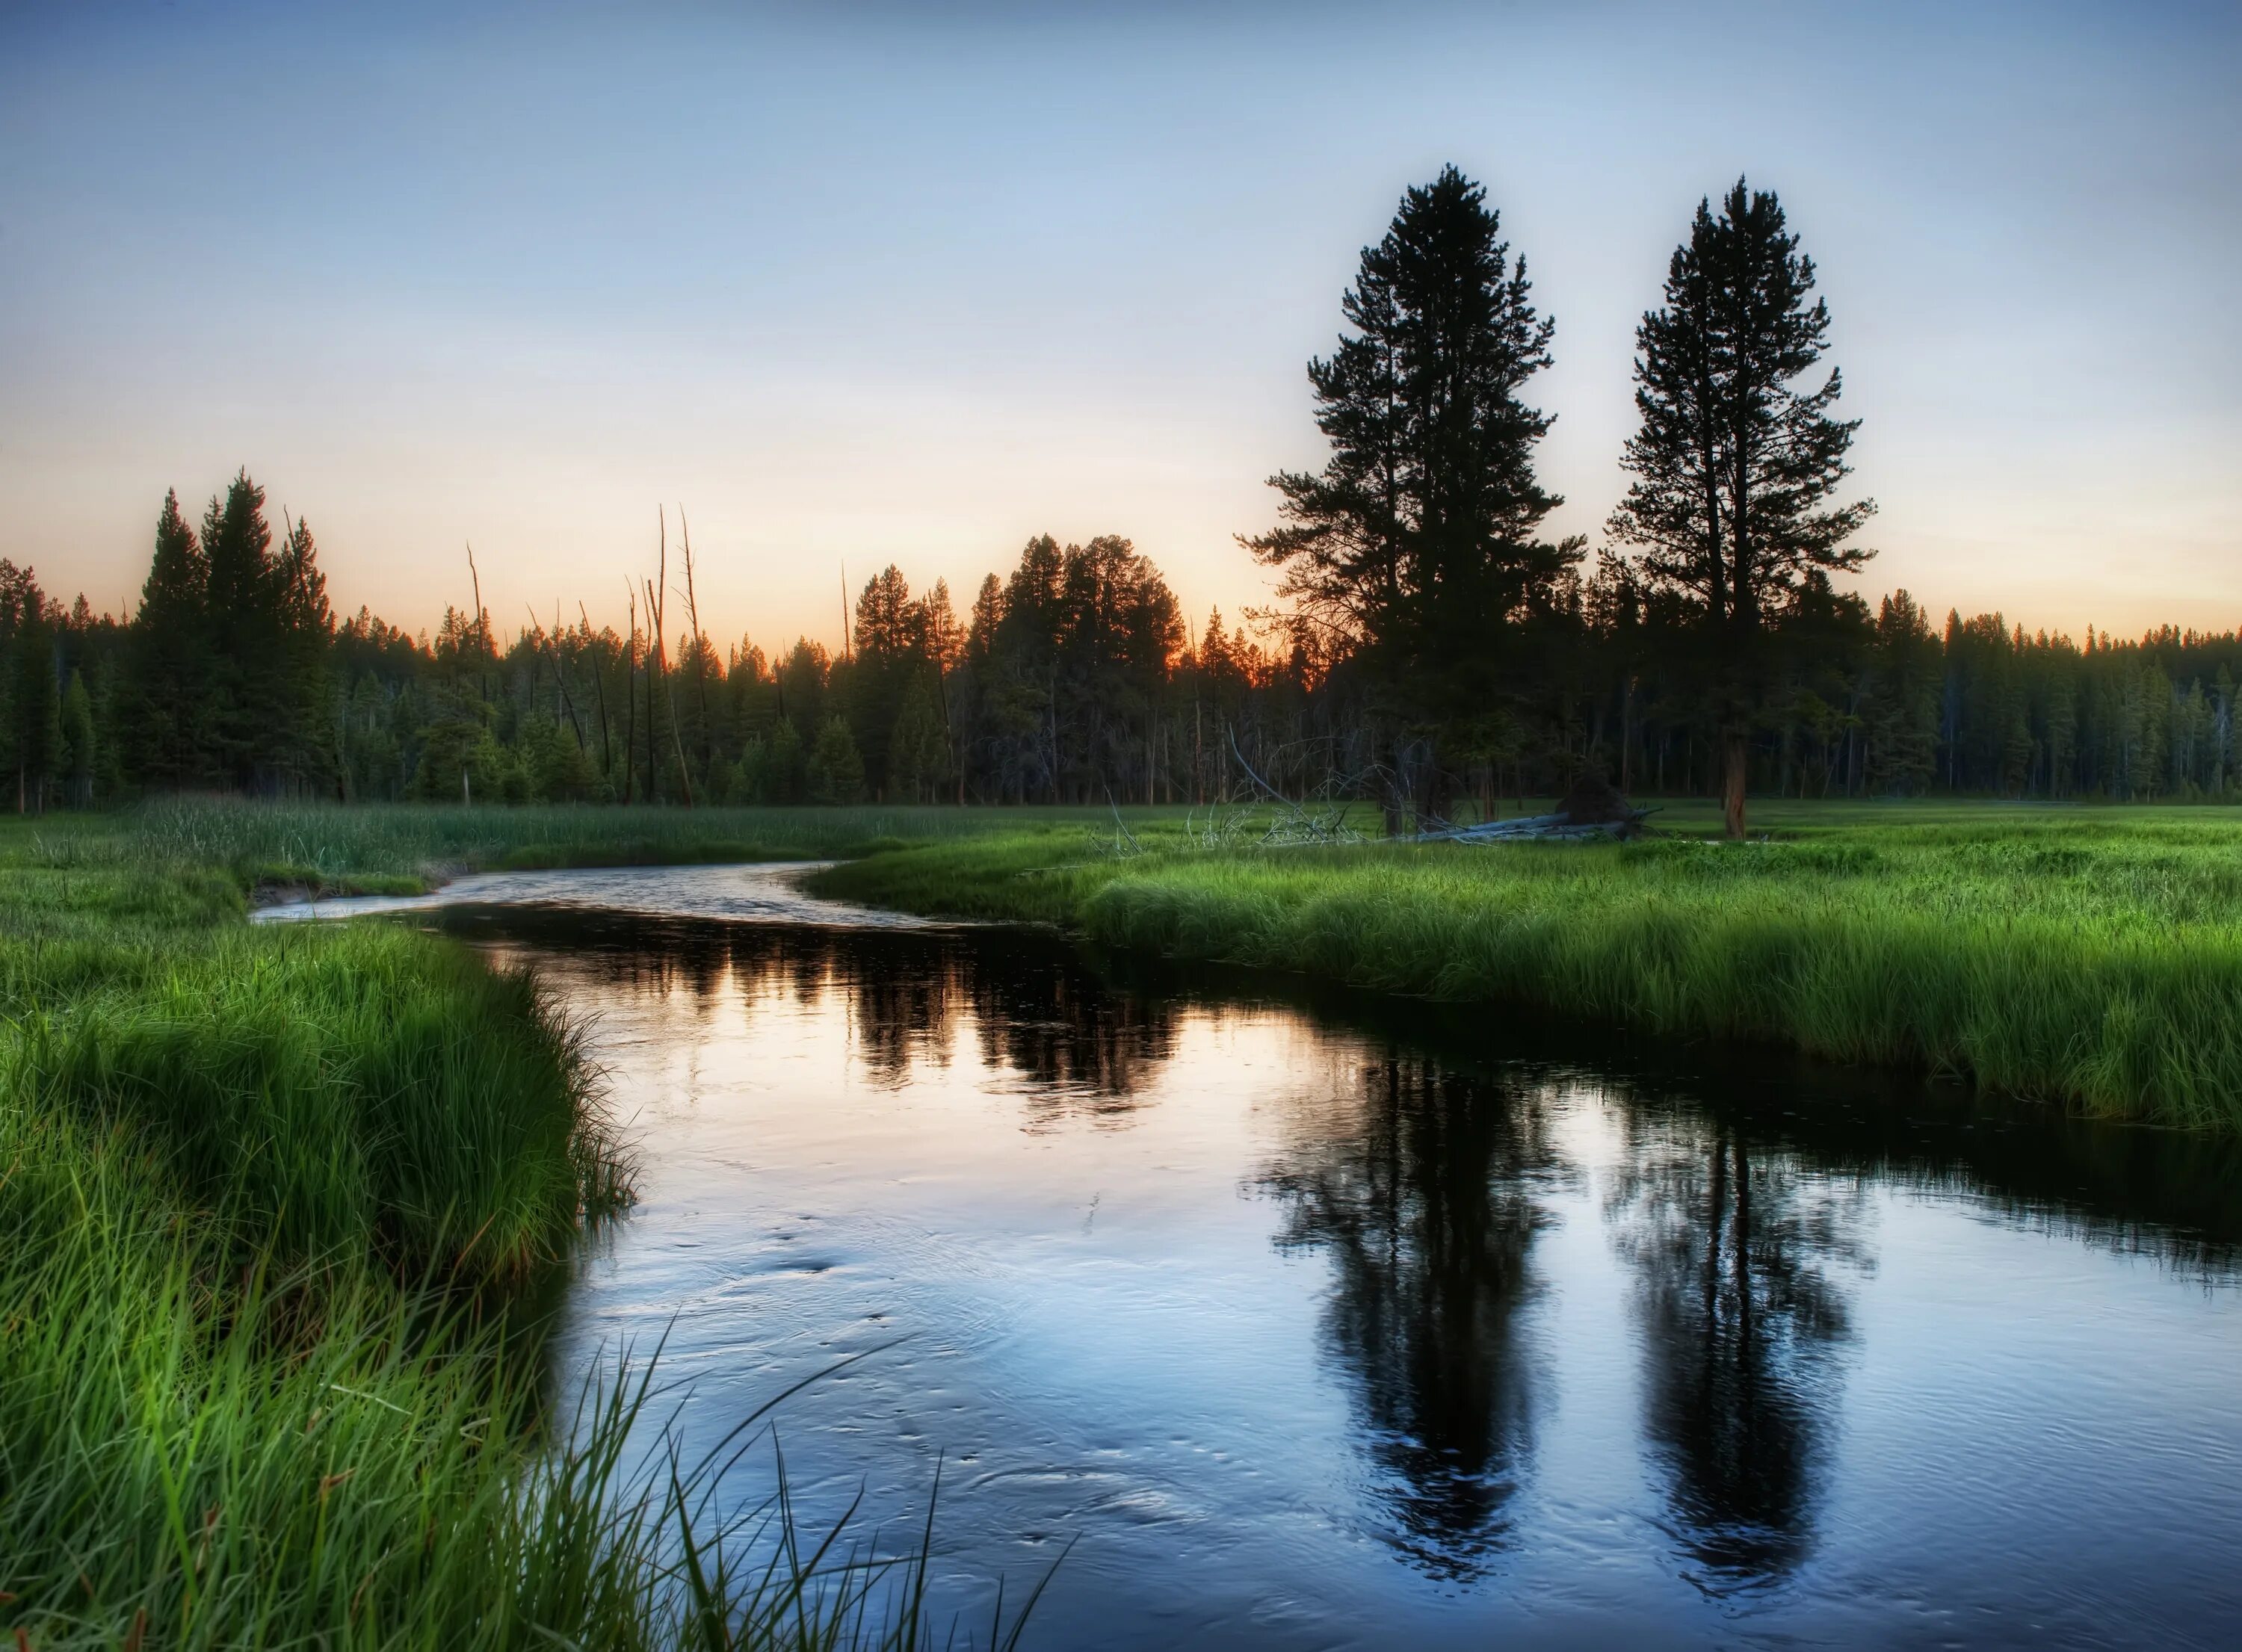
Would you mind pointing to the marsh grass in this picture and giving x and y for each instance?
(275, 1209)
(2091, 958)
(395, 849)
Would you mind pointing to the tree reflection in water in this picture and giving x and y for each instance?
(1736, 1253)
(1082, 1045)
(1422, 1190)
(1079, 1044)
(1742, 1220)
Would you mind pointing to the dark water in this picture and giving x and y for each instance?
(1333, 1323)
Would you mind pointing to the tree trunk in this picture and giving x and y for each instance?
(1735, 755)
(1438, 802)
(1626, 735)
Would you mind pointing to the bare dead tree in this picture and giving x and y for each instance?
(657, 604)
(630, 700)
(483, 649)
(560, 677)
(699, 648)
(600, 685)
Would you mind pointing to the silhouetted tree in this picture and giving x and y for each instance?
(243, 628)
(303, 744)
(1734, 465)
(1415, 545)
(80, 754)
(30, 699)
(169, 686)
(1902, 715)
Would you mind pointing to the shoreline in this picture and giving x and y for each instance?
(1822, 949)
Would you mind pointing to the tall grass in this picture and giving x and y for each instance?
(371, 1090)
(274, 1209)
(2092, 959)
(197, 1457)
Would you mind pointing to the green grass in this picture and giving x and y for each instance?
(277, 1209)
(398, 849)
(2088, 957)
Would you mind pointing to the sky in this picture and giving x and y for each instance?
(863, 283)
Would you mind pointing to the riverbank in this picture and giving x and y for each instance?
(2085, 956)
(278, 1208)
(401, 849)
(2090, 958)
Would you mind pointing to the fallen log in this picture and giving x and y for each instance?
(1592, 808)
(1536, 826)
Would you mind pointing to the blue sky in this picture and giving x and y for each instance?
(870, 283)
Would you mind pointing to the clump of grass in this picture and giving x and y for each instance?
(364, 1089)
(2092, 959)
(198, 1456)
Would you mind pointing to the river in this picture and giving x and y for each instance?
(1306, 1320)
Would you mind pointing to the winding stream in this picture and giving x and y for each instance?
(1314, 1321)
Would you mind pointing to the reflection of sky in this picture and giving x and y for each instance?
(862, 285)
(1100, 1329)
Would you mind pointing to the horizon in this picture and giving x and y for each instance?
(868, 289)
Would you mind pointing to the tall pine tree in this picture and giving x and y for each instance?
(168, 663)
(1734, 464)
(1415, 546)
(306, 746)
(30, 699)
(247, 670)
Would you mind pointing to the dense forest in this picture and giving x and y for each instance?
(1428, 647)
(1071, 679)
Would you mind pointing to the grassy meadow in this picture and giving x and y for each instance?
(2089, 956)
(277, 1207)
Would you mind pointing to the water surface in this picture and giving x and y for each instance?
(1318, 1321)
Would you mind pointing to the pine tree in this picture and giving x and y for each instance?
(34, 702)
(79, 756)
(1734, 465)
(782, 766)
(305, 744)
(889, 652)
(168, 666)
(373, 760)
(1415, 545)
(837, 770)
(918, 747)
(556, 767)
(247, 711)
(1902, 710)
(1019, 689)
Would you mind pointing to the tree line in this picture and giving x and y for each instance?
(1431, 644)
